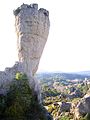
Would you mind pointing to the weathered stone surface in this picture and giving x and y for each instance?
(65, 107)
(84, 106)
(76, 94)
(8, 76)
(72, 89)
(32, 28)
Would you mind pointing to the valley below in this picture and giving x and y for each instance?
(66, 96)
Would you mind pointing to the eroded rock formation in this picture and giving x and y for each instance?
(32, 28)
(83, 107)
(7, 76)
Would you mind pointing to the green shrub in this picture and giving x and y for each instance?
(21, 76)
(64, 118)
(50, 108)
(21, 103)
(87, 117)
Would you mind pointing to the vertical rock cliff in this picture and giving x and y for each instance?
(32, 28)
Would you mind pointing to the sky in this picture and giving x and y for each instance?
(68, 45)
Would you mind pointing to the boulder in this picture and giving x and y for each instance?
(76, 94)
(65, 107)
(72, 89)
(84, 106)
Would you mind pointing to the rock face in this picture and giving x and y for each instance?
(72, 89)
(65, 107)
(32, 28)
(84, 106)
(76, 94)
(7, 76)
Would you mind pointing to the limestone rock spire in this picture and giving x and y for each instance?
(32, 28)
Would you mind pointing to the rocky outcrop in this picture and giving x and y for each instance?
(76, 94)
(72, 89)
(8, 76)
(84, 106)
(65, 107)
(32, 28)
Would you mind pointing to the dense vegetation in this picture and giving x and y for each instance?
(20, 102)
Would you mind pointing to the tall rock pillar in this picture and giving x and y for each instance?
(32, 28)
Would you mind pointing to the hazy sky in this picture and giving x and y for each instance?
(68, 45)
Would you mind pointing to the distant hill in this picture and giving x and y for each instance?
(70, 76)
(87, 73)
